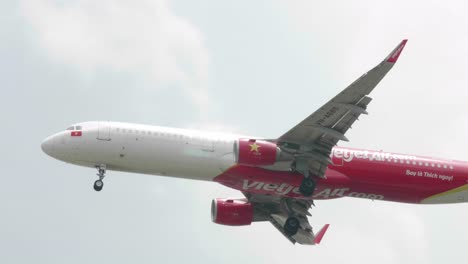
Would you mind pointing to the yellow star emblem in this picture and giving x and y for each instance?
(254, 147)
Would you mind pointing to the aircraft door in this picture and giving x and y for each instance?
(104, 131)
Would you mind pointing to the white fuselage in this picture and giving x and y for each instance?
(145, 149)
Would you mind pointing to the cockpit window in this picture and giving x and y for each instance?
(74, 128)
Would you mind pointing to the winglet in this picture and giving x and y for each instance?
(393, 57)
(320, 234)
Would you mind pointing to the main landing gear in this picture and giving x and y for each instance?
(101, 173)
(291, 226)
(308, 185)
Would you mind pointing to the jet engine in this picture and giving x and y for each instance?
(253, 152)
(232, 212)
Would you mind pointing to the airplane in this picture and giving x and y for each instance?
(279, 178)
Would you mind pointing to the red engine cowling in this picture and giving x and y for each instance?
(231, 212)
(256, 152)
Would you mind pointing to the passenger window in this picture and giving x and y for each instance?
(70, 128)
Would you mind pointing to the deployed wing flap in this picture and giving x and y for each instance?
(279, 226)
(277, 210)
(304, 236)
(328, 125)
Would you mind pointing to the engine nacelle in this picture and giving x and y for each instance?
(231, 212)
(253, 152)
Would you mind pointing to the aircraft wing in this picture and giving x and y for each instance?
(277, 209)
(314, 137)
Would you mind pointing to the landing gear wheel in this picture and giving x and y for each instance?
(307, 187)
(291, 226)
(98, 185)
(101, 174)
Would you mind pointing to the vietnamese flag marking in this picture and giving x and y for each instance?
(76, 133)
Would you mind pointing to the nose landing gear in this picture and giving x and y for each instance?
(101, 173)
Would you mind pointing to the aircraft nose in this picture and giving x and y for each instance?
(47, 146)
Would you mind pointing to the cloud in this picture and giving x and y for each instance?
(426, 84)
(145, 39)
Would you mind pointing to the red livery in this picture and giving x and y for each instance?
(76, 134)
(253, 152)
(232, 212)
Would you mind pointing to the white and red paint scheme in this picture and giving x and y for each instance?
(266, 170)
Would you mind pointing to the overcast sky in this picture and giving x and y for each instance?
(249, 67)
